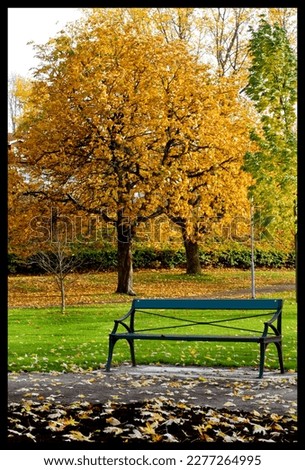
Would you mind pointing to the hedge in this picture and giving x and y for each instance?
(152, 258)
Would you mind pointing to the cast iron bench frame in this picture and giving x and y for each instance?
(271, 331)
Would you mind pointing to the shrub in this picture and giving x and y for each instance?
(97, 260)
(153, 258)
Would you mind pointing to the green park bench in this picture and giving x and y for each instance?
(232, 319)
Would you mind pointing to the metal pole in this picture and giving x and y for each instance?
(296, 247)
(252, 251)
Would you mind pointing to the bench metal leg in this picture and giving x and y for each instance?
(132, 353)
(112, 342)
(280, 354)
(263, 347)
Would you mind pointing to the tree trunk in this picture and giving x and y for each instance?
(63, 295)
(125, 270)
(192, 254)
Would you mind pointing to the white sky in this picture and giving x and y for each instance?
(33, 24)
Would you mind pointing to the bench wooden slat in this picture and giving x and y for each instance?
(247, 339)
(206, 304)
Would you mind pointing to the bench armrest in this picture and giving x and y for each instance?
(120, 321)
(275, 317)
(116, 325)
(269, 324)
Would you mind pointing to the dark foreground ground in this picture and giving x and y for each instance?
(152, 406)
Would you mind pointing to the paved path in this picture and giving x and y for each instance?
(269, 289)
(237, 389)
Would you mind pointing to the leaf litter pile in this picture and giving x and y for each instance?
(157, 420)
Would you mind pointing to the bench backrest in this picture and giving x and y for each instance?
(145, 306)
(209, 304)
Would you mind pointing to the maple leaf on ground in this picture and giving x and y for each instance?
(174, 420)
(58, 413)
(229, 403)
(276, 417)
(113, 429)
(153, 416)
(113, 421)
(203, 428)
(170, 438)
(55, 426)
(257, 428)
(78, 436)
(68, 421)
(84, 414)
(136, 434)
(149, 428)
(13, 431)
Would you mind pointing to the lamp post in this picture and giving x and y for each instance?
(252, 250)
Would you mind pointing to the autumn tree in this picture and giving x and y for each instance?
(206, 183)
(208, 130)
(126, 124)
(272, 88)
(59, 262)
(95, 125)
(197, 200)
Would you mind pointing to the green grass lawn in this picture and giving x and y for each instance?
(42, 339)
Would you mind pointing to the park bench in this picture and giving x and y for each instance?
(220, 320)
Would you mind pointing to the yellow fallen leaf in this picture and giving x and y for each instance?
(277, 427)
(113, 421)
(78, 436)
(68, 421)
(203, 428)
(55, 426)
(84, 414)
(149, 428)
(275, 417)
(247, 397)
(156, 437)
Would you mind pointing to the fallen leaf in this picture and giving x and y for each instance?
(257, 428)
(78, 436)
(113, 421)
(113, 429)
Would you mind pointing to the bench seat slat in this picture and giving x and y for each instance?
(249, 339)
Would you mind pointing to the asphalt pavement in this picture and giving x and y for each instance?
(232, 388)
